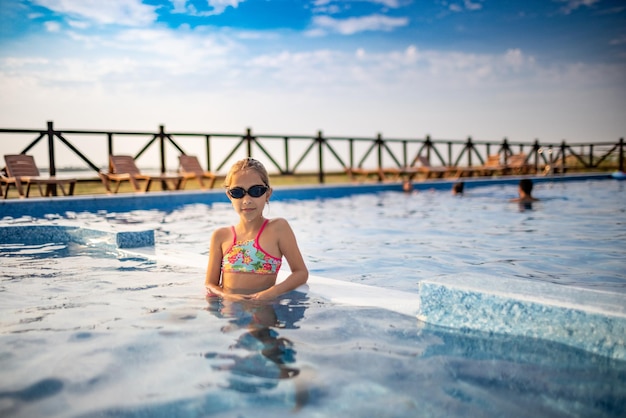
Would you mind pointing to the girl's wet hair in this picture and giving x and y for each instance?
(248, 164)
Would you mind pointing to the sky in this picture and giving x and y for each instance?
(551, 70)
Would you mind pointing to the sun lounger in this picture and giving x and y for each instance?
(190, 168)
(22, 171)
(123, 168)
(423, 166)
(493, 165)
(380, 173)
(517, 164)
(5, 181)
(490, 167)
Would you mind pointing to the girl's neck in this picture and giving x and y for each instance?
(254, 225)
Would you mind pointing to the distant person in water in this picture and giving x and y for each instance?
(525, 192)
(407, 186)
(457, 188)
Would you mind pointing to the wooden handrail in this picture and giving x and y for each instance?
(340, 152)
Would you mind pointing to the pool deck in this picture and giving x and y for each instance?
(38, 207)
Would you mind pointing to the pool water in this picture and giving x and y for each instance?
(88, 331)
(573, 236)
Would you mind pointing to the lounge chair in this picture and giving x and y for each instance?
(493, 165)
(490, 167)
(424, 167)
(123, 168)
(380, 173)
(5, 181)
(517, 164)
(22, 170)
(190, 168)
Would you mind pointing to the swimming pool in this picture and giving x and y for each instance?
(88, 330)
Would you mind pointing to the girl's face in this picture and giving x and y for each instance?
(249, 208)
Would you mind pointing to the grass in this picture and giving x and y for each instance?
(95, 186)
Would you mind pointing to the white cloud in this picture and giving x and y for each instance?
(52, 26)
(330, 7)
(109, 12)
(354, 25)
(387, 3)
(517, 60)
(220, 5)
(467, 5)
(142, 61)
(572, 5)
(180, 6)
(217, 7)
(149, 61)
(200, 79)
(472, 6)
(618, 41)
(78, 24)
(405, 71)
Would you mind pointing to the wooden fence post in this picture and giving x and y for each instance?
(162, 146)
(248, 138)
(320, 156)
(621, 155)
(51, 164)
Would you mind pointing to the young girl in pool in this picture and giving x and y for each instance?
(244, 259)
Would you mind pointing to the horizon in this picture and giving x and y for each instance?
(524, 70)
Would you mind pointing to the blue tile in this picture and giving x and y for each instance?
(591, 320)
(46, 234)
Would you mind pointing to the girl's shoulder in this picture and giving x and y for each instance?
(277, 223)
(277, 226)
(276, 220)
(223, 233)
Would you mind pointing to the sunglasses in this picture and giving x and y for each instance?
(254, 191)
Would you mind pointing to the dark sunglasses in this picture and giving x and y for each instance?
(254, 191)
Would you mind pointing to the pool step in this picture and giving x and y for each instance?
(46, 234)
(592, 320)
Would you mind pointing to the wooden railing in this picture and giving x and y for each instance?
(322, 155)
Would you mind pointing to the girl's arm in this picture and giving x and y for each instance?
(299, 273)
(212, 281)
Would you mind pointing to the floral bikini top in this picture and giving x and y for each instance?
(249, 257)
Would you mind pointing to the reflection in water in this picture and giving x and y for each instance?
(524, 206)
(12, 401)
(37, 391)
(270, 357)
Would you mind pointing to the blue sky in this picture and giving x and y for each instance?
(522, 69)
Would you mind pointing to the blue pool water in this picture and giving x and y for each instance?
(88, 331)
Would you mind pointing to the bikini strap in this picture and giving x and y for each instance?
(256, 240)
(232, 228)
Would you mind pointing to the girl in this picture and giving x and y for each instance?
(244, 259)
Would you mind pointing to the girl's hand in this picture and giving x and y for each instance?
(213, 291)
(259, 296)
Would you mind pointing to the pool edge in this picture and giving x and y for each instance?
(39, 207)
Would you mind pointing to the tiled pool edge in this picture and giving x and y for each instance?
(38, 207)
(590, 320)
(45, 234)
